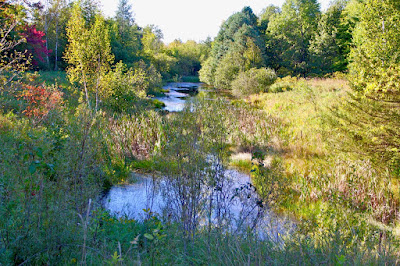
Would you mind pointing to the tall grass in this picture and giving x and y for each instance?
(321, 173)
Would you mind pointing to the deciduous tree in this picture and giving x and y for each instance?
(291, 30)
(88, 52)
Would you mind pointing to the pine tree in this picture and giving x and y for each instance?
(371, 118)
(238, 47)
(125, 35)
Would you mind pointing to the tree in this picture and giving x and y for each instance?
(12, 60)
(189, 56)
(229, 28)
(290, 33)
(125, 34)
(245, 52)
(154, 51)
(90, 8)
(124, 14)
(265, 17)
(330, 47)
(59, 11)
(35, 45)
(52, 20)
(253, 81)
(239, 46)
(227, 69)
(376, 52)
(88, 52)
(325, 54)
(152, 40)
(371, 118)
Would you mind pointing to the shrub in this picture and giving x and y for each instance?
(253, 81)
(40, 101)
(227, 71)
(280, 87)
(127, 88)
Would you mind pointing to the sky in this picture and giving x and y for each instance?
(189, 19)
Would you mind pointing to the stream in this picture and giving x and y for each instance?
(177, 95)
(235, 200)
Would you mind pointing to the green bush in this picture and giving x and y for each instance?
(280, 87)
(127, 88)
(253, 81)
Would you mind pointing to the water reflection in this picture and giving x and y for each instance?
(177, 95)
(240, 205)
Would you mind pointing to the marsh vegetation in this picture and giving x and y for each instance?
(278, 160)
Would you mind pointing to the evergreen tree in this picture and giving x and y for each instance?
(371, 119)
(124, 13)
(239, 46)
(125, 35)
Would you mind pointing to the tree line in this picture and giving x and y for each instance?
(357, 37)
(297, 39)
(114, 62)
(43, 27)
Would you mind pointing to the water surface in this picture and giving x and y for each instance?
(240, 204)
(177, 95)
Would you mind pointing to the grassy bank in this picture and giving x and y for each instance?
(326, 178)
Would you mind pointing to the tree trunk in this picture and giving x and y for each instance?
(56, 47)
(86, 92)
(46, 31)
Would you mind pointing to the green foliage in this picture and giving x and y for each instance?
(369, 119)
(238, 47)
(127, 88)
(88, 53)
(269, 180)
(253, 81)
(158, 104)
(227, 70)
(375, 66)
(371, 126)
(207, 71)
(53, 77)
(48, 174)
(175, 59)
(12, 61)
(265, 17)
(189, 57)
(126, 43)
(325, 47)
(63, 154)
(52, 20)
(290, 32)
